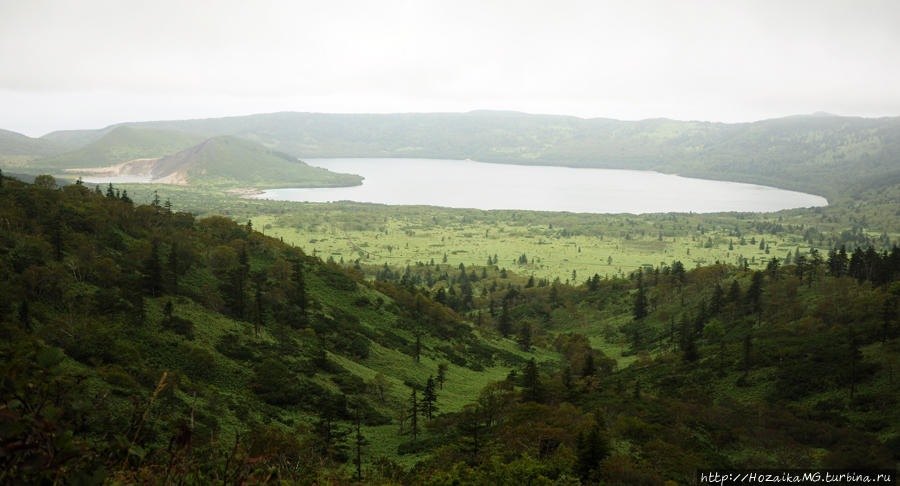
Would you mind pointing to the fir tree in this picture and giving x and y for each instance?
(525, 336)
(298, 291)
(590, 449)
(328, 437)
(259, 280)
(153, 272)
(754, 293)
(441, 374)
(531, 383)
(25, 315)
(173, 268)
(414, 413)
(359, 441)
(167, 312)
(505, 323)
(640, 300)
(429, 399)
(688, 340)
(718, 300)
(734, 293)
(589, 368)
(469, 426)
(56, 236)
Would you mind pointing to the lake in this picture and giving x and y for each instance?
(470, 184)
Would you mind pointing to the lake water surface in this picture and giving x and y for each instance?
(469, 184)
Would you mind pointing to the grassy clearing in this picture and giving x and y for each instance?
(609, 246)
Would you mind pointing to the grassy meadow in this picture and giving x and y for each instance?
(609, 245)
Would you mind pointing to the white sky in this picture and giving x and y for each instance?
(91, 63)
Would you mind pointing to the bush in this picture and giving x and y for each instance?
(180, 326)
(199, 363)
(349, 384)
(230, 346)
(336, 279)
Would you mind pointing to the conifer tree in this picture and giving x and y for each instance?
(800, 263)
(56, 236)
(754, 293)
(525, 336)
(734, 293)
(531, 383)
(259, 280)
(469, 426)
(298, 293)
(239, 277)
(359, 441)
(717, 301)
(173, 268)
(505, 324)
(329, 438)
(153, 272)
(25, 315)
(590, 449)
(429, 399)
(441, 374)
(640, 300)
(589, 368)
(688, 340)
(167, 312)
(414, 413)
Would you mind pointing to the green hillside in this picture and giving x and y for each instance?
(120, 145)
(141, 345)
(17, 150)
(126, 327)
(75, 139)
(231, 161)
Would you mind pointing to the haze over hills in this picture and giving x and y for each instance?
(223, 159)
(824, 154)
(173, 156)
(122, 144)
(821, 153)
(18, 150)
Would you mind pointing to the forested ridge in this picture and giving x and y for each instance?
(141, 344)
(823, 154)
(833, 156)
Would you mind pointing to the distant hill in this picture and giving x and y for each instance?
(12, 143)
(820, 153)
(75, 139)
(230, 160)
(17, 150)
(122, 144)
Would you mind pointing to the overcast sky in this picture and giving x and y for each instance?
(88, 63)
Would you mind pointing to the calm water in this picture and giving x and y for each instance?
(468, 184)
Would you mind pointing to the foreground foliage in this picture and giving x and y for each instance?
(140, 345)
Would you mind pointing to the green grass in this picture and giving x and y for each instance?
(607, 245)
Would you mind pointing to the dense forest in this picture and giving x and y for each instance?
(141, 344)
